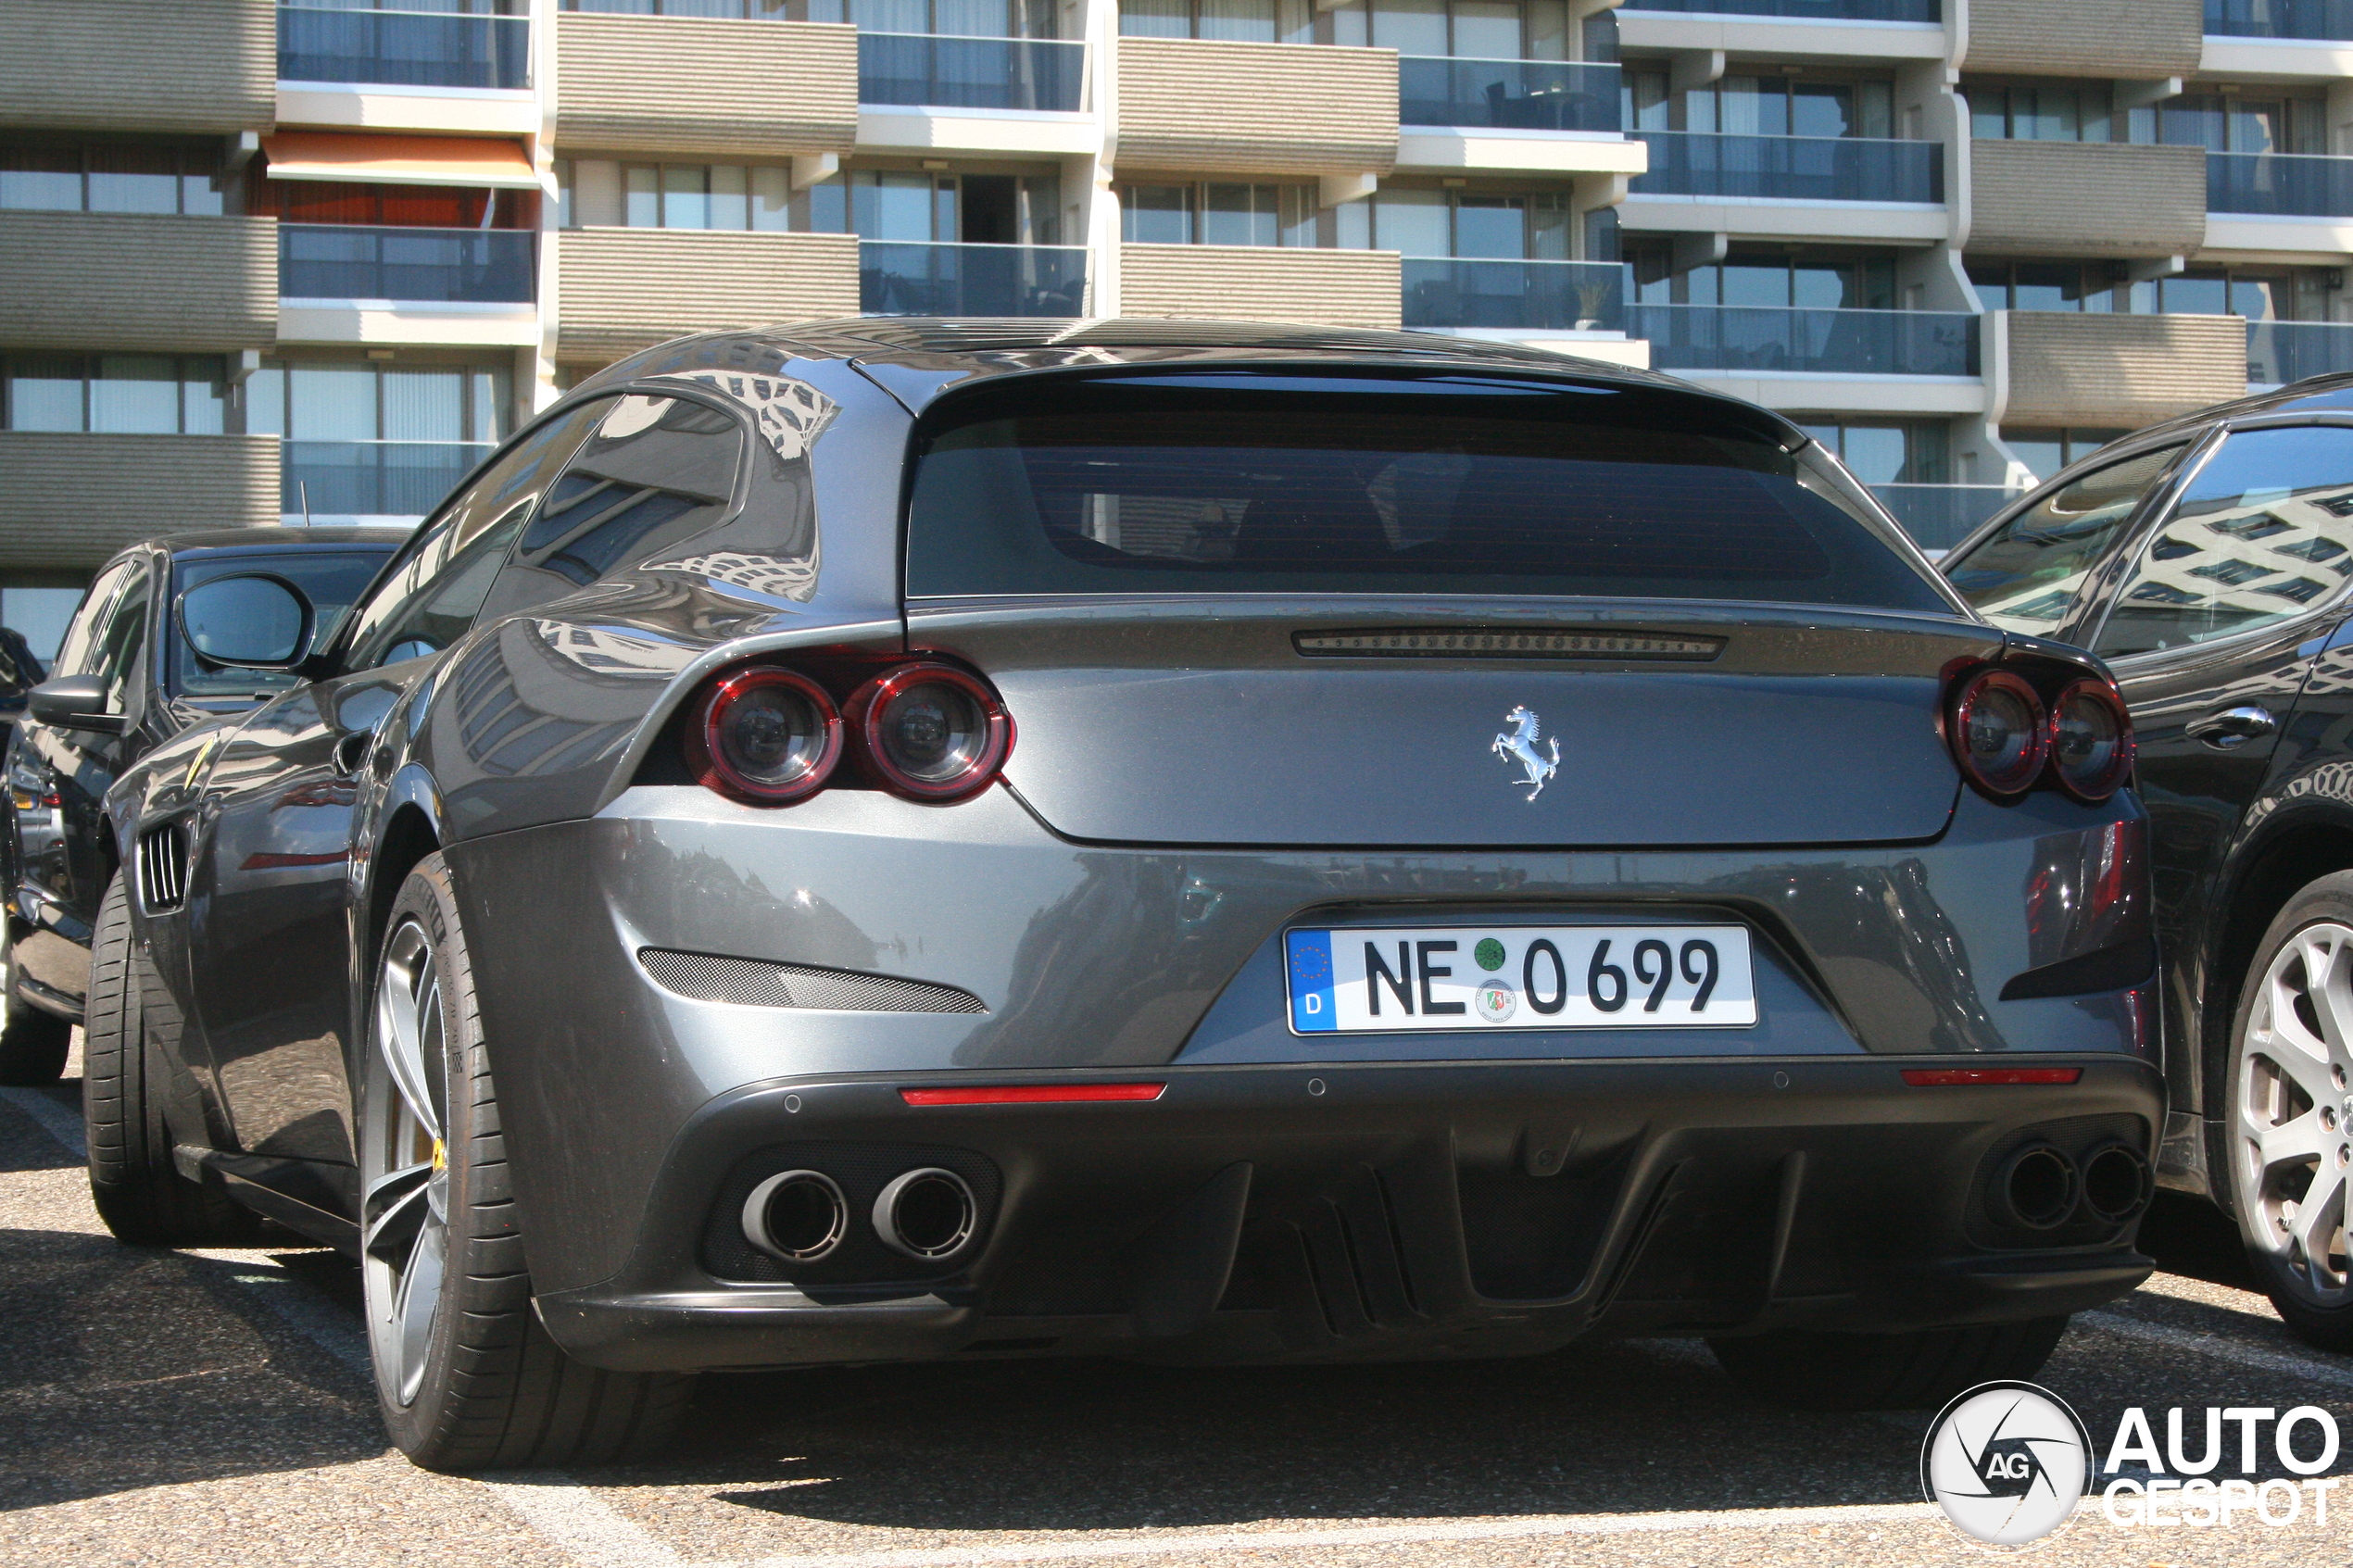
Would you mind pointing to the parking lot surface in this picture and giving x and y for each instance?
(214, 1408)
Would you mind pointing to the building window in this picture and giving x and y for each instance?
(1807, 279)
(2038, 111)
(693, 195)
(2238, 123)
(903, 205)
(956, 18)
(1217, 213)
(1912, 452)
(366, 400)
(2048, 285)
(2045, 451)
(115, 394)
(1511, 226)
(1783, 105)
(1483, 30)
(1645, 104)
(372, 206)
(104, 176)
(38, 612)
(2260, 294)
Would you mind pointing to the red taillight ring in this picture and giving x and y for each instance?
(2097, 787)
(706, 756)
(870, 704)
(2035, 729)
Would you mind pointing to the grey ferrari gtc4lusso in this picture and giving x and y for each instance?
(893, 840)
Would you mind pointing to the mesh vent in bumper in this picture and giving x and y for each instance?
(754, 983)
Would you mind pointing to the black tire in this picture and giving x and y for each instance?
(143, 1200)
(1812, 1370)
(490, 1390)
(2315, 1302)
(32, 1043)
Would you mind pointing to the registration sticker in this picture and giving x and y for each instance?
(1358, 981)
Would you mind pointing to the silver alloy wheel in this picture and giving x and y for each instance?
(404, 1170)
(2292, 1150)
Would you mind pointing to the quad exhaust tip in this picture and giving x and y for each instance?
(2036, 1187)
(798, 1216)
(927, 1213)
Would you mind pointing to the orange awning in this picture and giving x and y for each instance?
(399, 161)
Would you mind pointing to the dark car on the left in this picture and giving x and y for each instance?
(125, 681)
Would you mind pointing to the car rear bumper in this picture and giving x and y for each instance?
(1354, 1210)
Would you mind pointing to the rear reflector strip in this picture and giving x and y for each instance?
(1034, 1094)
(1947, 1077)
(1441, 641)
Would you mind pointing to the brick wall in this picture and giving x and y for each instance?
(708, 86)
(2085, 199)
(2116, 39)
(139, 65)
(118, 280)
(627, 289)
(1340, 288)
(70, 501)
(1210, 107)
(2089, 369)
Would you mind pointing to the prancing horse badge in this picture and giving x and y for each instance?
(1520, 746)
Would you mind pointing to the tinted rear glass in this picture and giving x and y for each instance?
(1234, 483)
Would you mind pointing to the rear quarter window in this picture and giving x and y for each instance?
(1230, 483)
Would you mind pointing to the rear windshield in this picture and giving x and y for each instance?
(1232, 482)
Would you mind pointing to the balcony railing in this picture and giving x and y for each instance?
(417, 45)
(904, 278)
(1811, 10)
(1739, 337)
(373, 477)
(1940, 516)
(2280, 19)
(2280, 352)
(1693, 163)
(1510, 94)
(436, 266)
(2279, 184)
(970, 73)
(1561, 295)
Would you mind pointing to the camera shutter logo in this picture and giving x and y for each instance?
(2006, 1462)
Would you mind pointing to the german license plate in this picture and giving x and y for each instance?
(1357, 981)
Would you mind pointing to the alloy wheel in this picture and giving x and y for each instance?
(403, 1163)
(2291, 1144)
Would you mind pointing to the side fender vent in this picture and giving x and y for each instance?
(750, 983)
(163, 868)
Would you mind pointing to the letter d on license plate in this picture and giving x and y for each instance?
(1519, 977)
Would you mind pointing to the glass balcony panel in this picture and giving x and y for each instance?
(2280, 352)
(1557, 295)
(1940, 516)
(1727, 337)
(2279, 184)
(1695, 163)
(2280, 19)
(406, 47)
(1814, 10)
(970, 73)
(436, 265)
(1511, 94)
(904, 278)
(373, 477)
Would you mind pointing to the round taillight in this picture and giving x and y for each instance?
(1998, 732)
(932, 732)
(2091, 740)
(766, 737)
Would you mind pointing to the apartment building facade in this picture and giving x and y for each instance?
(311, 259)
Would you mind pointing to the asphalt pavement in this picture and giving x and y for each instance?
(202, 1408)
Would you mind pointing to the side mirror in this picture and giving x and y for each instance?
(75, 702)
(254, 621)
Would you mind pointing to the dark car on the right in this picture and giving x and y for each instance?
(2207, 561)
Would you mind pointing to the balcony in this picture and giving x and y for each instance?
(2279, 185)
(927, 71)
(708, 87)
(1747, 339)
(1189, 103)
(205, 67)
(2081, 199)
(427, 266)
(627, 289)
(906, 278)
(1508, 95)
(1940, 516)
(2318, 20)
(1342, 288)
(167, 284)
(1514, 296)
(74, 500)
(342, 479)
(2065, 368)
(403, 47)
(1807, 10)
(2280, 352)
(1810, 169)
